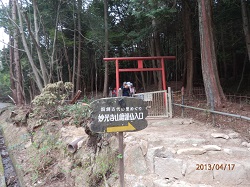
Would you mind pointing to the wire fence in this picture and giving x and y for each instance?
(157, 103)
(235, 113)
(199, 93)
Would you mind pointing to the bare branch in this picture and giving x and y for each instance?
(11, 46)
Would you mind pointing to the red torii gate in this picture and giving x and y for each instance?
(140, 67)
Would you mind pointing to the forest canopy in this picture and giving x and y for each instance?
(66, 40)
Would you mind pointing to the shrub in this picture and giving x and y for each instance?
(51, 98)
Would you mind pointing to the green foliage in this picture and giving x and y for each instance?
(119, 156)
(4, 75)
(52, 96)
(105, 165)
(45, 153)
(4, 83)
(80, 113)
(130, 32)
(154, 9)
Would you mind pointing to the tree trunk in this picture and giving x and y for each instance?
(223, 53)
(242, 74)
(39, 52)
(31, 61)
(157, 52)
(12, 78)
(233, 49)
(136, 84)
(11, 58)
(54, 44)
(106, 75)
(214, 92)
(18, 71)
(37, 42)
(144, 86)
(32, 89)
(74, 49)
(67, 59)
(60, 68)
(152, 53)
(96, 76)
(189, 58)
(246, 26)
(92, 71)
(78, 75)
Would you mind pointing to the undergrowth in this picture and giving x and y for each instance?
(78, 112)
(50, 112)
(104, 166)
(53, 96)
(45, 152)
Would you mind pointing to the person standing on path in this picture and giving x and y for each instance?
(125, 90)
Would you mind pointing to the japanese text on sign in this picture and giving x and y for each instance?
(120, 117)
(119, 109)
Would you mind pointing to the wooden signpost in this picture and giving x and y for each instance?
(118, 114)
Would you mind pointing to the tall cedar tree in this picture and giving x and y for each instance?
(214, 92)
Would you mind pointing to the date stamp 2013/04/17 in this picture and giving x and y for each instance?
(215, 166)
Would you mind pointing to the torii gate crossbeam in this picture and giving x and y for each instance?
(140, 67)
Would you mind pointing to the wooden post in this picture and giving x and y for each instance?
(98, 124)
(76, 97)
(170, 103)
(121, 160)
(166, 102)
(182, 101)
